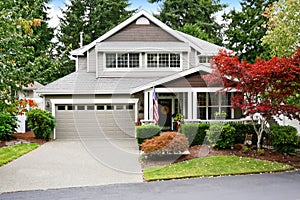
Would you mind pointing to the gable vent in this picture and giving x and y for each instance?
(142, 21)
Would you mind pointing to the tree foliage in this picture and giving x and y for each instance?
(93, 18)
(263, 85)
(245, 30)
(197, 13)
(24, 46)
(283, 34)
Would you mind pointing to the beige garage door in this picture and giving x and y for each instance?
(95, 121)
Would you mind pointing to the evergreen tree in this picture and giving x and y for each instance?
(24, 46)
(93, 18)
(246, 28)
(199, 13)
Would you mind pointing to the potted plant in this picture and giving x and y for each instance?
(220, 115)
(178, 118)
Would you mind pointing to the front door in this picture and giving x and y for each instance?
(165, 113)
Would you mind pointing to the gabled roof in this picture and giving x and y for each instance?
(171, 78)
(197, 44)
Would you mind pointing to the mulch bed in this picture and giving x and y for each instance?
(28, 136)
(203, 151)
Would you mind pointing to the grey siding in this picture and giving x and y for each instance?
(135, 32)
(92, 60)
(100, 67)
(82, 63)
(138, 73)
(185, 61)
(193, 58)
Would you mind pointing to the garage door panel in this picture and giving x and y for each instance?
(77, 124)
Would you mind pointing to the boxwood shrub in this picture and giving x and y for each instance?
(195, 133)
(284, 138)
(146, 132)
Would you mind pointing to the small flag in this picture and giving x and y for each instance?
(155, 105)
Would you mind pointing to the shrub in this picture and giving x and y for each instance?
(41, 122)
(245, 149)
(240, 132)
(221, 135)
(195, 133)
(168, 142)
(284, 138)
(146, 132)
(261, 152)
(8, 125)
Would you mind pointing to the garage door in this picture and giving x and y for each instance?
(95, 121)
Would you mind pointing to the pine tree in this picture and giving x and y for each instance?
(246, 28)
(93, 18)
(181, 13)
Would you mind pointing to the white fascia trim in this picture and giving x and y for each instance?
(171, 78)
(84, 92)
(91, 101)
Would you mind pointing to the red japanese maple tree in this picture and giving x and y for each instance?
(264, 86)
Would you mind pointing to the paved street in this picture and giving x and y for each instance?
(265, 186)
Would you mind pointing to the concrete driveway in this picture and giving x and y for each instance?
(73, 163)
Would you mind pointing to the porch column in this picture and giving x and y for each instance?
(146, 105)
(190, 105)
(184, 105)
(151, 105)
(195, 105)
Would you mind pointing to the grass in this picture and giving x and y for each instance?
(213, 166)
(10, 153)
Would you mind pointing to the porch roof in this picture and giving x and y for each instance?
(87, 83)
(171, 78)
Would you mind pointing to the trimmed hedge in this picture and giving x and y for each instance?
(284, 138)
(146, 132)
(195, 133)
(240, 132)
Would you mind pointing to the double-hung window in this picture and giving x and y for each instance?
(163, 60)
(122, 60)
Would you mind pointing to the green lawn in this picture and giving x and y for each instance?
(213, 166)
(10, 153)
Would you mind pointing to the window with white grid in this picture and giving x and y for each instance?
(163, 60)
(111, 60)
(122, 60)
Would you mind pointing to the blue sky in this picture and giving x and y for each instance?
(135, 4)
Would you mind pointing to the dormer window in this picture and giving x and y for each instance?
(122, 60)
(204, 59)
(163, 60)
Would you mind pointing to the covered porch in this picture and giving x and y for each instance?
(198, 105)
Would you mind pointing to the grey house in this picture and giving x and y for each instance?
(112, 88)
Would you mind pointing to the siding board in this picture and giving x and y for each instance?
(134, 32)
(192, 80)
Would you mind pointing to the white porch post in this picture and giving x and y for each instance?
(195, 105)
(184, 104)
(151, 105)
(146, 105)
(190, 105)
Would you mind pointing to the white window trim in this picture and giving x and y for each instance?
(164, 68)
(121, 68)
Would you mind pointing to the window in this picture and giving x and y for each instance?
(90, 107)
(204, 59)
(71, 107)
(100, 107)
(80, 107)
(61, 107)
(125, 60)
(163, 60)
(210, 103)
